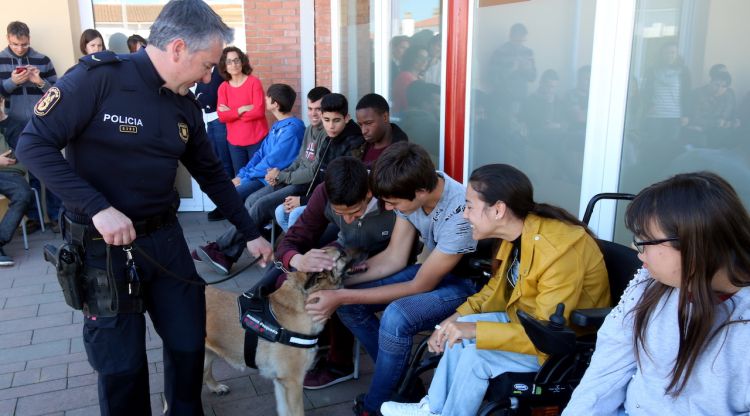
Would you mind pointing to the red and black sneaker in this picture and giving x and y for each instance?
(324, 374)
(211, 254)
(359, 407)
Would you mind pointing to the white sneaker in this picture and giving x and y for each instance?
(407, 409)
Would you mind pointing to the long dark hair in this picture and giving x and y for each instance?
(712, 226)
(246, 68)
(501, 182)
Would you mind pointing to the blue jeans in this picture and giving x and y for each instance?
(14, 187)
(462, 377)
(217, 133)
(240, 155)
(247, 187)
(401, 320)
(287, 219)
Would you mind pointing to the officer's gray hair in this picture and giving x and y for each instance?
(193, 21)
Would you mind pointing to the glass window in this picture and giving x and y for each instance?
(357, 62)
(416, 70)
(529, 92)
(688, 105)
(120, 19)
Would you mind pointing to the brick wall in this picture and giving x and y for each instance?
(323, 64)
(272, 35)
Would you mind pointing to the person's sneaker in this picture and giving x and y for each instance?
(407, 409)
(359, 407)
(211, 254)
(5, 260)
(195, 256)
(215, 215)
(324, 375)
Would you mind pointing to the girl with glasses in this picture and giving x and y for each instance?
(676, 344)
(545, 257)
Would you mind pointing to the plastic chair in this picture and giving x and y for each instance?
(23, 221)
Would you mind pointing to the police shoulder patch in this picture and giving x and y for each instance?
(47, 102)
(184, 132)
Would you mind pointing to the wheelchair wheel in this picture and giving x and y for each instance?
(496, 408)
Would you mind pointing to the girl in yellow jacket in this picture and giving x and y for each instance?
(546, 256)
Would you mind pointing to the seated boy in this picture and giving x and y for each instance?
(346, 201)
(342, 135)
(280, 146)
(412, 298)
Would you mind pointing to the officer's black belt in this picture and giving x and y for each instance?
(142, 227)
(258, 320)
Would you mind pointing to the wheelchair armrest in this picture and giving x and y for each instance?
(589, 318)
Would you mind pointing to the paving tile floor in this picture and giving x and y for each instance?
(43, 366)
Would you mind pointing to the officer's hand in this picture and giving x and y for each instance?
(260, 247)
(114, 226)
(236, 181)
(6, 160)
(315, 260)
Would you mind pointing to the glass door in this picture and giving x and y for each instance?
(688, 103)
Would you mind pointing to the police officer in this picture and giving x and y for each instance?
(126, 121)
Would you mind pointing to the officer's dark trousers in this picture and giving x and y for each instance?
(116, 346)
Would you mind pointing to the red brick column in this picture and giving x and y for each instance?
(272, 35)
(323, 64)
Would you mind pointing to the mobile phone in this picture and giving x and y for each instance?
(20, 69)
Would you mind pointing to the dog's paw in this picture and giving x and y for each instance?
(221, 389)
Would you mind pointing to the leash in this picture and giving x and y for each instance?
(161, 268)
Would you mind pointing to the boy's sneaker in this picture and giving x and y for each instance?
(5, 260)
(359, 407)
(195, 256)
(324, 375)
(211, 254)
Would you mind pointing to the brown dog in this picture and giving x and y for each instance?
(284, 364)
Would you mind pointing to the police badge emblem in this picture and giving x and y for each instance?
(47, 102)
(184, 132)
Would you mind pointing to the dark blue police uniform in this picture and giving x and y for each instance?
(124, 135)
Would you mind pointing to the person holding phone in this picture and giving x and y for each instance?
(30, 75)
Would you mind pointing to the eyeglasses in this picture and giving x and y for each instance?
(639, 245)
(235, 61)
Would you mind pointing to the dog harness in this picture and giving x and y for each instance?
(257, 317)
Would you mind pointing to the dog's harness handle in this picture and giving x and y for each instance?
(256, 316)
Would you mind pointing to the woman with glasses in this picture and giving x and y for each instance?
(545, 257)
(241, 106)
(676, 344)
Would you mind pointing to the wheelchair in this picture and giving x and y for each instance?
(546, 392)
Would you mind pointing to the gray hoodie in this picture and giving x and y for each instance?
(302, 170)
(615, 384)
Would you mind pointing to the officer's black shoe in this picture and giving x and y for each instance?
(215, 215)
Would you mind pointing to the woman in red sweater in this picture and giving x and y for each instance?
(241, 106)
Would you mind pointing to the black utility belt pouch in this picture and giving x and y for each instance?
(107, 296)
(68, 262)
